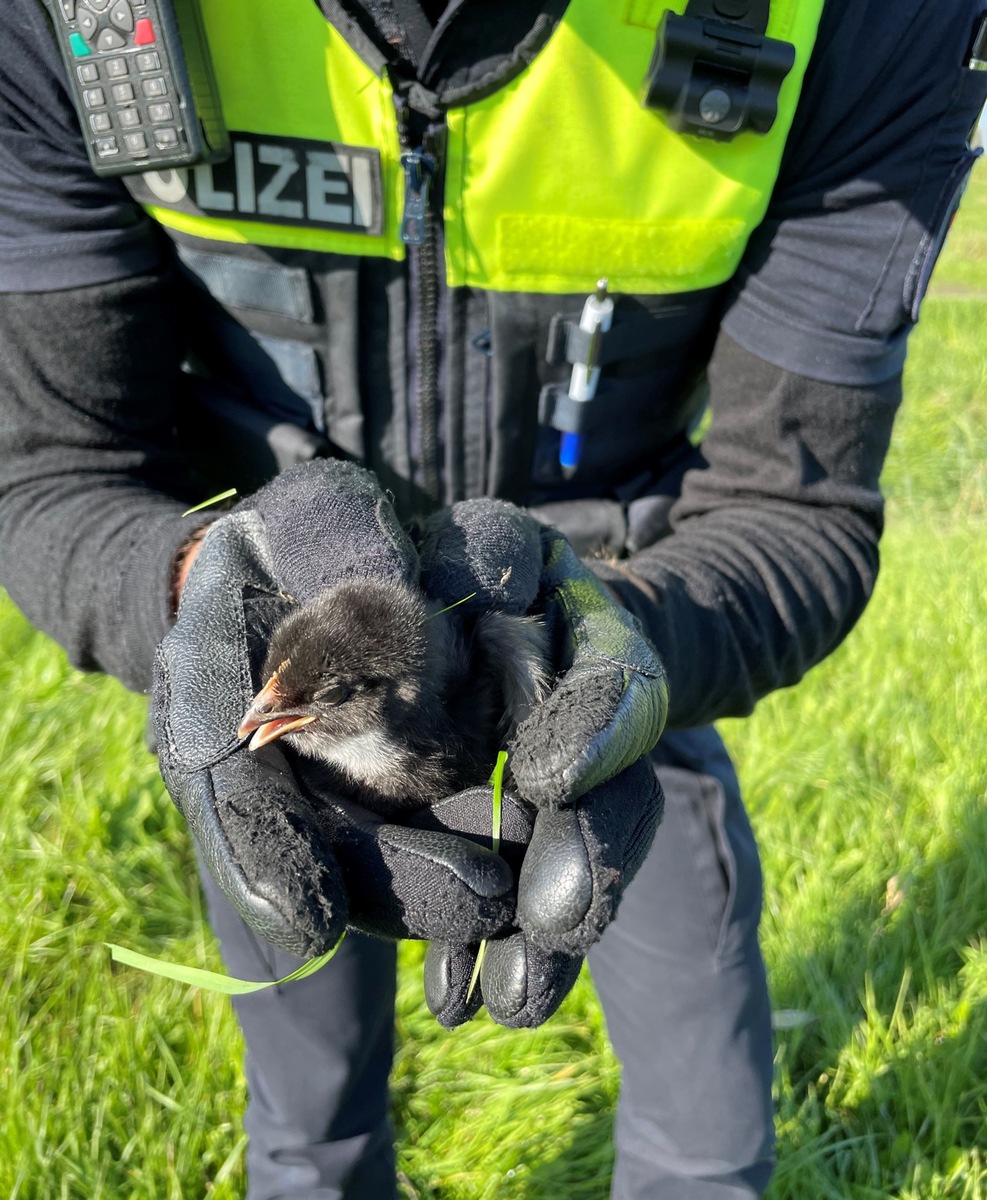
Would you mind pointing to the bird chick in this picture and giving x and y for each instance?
(405, 703)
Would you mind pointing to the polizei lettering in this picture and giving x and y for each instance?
(284, 181)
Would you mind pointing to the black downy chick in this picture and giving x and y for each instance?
(405, 704)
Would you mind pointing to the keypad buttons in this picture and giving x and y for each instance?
(110, 39)
(122, 16)
(119, 67)
(88, 24)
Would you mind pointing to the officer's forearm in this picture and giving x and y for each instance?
(91, 492)
(746, 605)
(774, 551)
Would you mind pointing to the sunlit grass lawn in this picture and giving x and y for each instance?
(867, 788)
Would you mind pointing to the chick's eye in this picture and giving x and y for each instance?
(334, 693)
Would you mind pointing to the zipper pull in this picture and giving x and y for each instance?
(419, 167)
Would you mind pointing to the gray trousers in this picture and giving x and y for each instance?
(680, 978)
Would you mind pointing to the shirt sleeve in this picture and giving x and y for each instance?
(832, 280)
(61, 226)
(92, 483)
(773, 553)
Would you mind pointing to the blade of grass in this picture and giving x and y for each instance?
(212, 500)
(497, 783)
(212, 981)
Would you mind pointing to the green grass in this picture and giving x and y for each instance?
(867, 789)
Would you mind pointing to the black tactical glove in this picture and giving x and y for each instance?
(297, 864)
(578, 759)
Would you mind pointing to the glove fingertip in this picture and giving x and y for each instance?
(447, 975)
(522, 985)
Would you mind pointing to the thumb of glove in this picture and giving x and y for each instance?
(582, 857)
(609, 707)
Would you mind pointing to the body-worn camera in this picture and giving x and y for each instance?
(714, 71)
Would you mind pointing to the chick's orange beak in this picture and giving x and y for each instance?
(266, 719)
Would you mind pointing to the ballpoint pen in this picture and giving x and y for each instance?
(595, 320)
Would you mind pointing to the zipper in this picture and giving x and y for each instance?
(419, 167)
(420, 164)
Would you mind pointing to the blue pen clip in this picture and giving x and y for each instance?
(596, 319)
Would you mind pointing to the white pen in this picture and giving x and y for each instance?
(595, 320)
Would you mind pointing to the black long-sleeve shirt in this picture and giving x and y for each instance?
(773, 550)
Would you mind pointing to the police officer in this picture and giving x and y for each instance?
(400, 262)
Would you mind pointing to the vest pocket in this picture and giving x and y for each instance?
(253, 326)
(243, 283)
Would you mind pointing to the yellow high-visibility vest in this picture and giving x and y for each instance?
(556, 178)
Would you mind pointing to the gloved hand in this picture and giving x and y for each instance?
(297, 864)
(578, 758)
